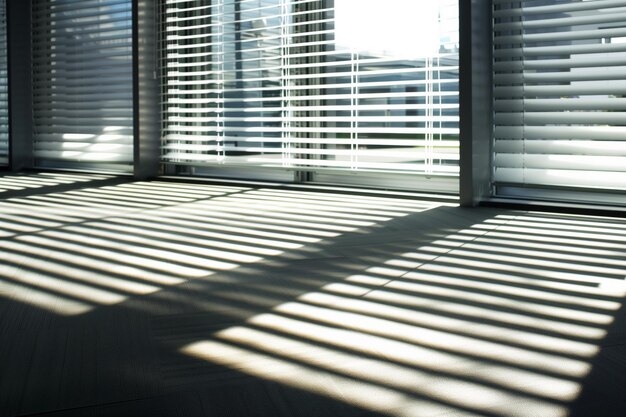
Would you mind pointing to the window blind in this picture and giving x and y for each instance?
(82, 83)
(560, 94)
(298, 84)
(4, 87)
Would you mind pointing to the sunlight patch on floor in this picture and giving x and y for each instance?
(102, 245)
(479, 322)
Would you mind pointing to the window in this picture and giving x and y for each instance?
(560, 99)
(82, 84)
(312, 85)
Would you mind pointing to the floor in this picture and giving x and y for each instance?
(168, 299)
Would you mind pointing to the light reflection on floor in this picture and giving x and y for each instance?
(101, 245)
(45, 179)
(502, 318)
(482, 322)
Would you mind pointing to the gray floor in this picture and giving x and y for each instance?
(172, 299)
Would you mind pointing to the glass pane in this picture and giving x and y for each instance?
(560, 99)
(82, 84)
(315, 84)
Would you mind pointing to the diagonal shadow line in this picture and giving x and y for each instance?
(261, 300)
(83, 318)
(121, 278)
(239, 297)
(398, 389)
(491, 293)
(104, 218)
(459, 375)
(363, 356)
(294, 290)
(425, 307)
(533, 282)
(138, 210)
(603, 388)
(239, 276)
(457, 302)
(48, 189)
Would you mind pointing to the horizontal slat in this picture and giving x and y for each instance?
(601, 180)
(510, 8)
(86, 147)
(397, 153)
(327, 108)
(122, 136)
(579, 103)
(363, 86)
(184, 141)
(552, 22)
(533, 51)
(565, 147)
(80, 156)
(55, 112)
(583, 61)
(283, 162)
(616, 133)
(579, 89)
(559, 161)
(326, 119)
(317, 129)
(587, 74)
(573, 118)
(379, 96)
(530, 38)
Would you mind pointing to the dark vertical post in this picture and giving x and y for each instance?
(20, 84)
(476, 100)
(146, 107)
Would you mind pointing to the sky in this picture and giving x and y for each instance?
(401, 28)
